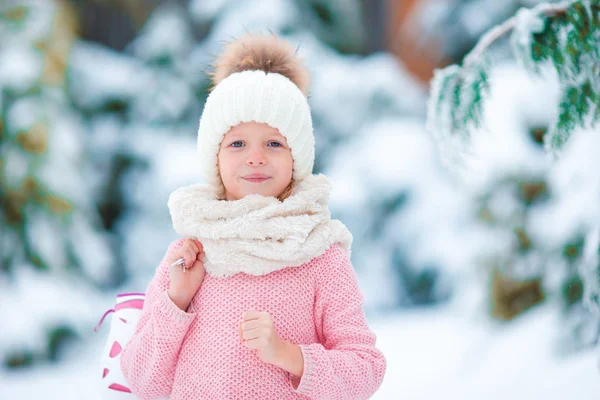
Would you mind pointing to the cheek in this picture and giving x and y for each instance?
(223, 167)
(224, 164)
(288, 164)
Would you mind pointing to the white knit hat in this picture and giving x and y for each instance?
(260, 96)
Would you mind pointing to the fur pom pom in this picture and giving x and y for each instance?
(260, 52)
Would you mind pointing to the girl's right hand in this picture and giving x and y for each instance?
(184, 285)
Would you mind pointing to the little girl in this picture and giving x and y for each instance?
(258, 299)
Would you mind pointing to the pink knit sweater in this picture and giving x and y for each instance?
(198, 354)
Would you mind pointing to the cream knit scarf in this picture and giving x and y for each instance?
(258, 234)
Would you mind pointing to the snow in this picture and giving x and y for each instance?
(391, 151)
(91, 247)
(45, 234)
(66, 300)
(432, 353)
(65, 150)
(431, 228)
(162, 97)
(146, 229)
(253, 16)
(573, 210)
(517, 102)
(441, 353)
(350, 84)
(19, 165)
(166, 33)
(576, 187)
(528, 23)
(175, 165)
(111, 76)
(452, 146)
(205, 10)
(36, 26)
(19, 67)
(24, 113)
(590, 273)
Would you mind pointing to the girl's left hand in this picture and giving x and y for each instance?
(258, 332)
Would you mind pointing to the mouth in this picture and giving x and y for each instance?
(256, 178)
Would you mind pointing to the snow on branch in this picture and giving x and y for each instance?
(497, 32)
(565, 34)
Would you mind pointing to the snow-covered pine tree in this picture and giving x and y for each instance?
(55, 253)
(564, 38)
(141, 108)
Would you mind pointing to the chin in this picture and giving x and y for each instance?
(264, 192)
(245, 189)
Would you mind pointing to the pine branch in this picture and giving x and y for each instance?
(507, 26)
(563, 33)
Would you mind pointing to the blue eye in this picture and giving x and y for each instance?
(234, 144)
(277, 143)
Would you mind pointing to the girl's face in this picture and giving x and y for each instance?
(254, 159)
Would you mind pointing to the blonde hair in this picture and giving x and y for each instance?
(287, 192)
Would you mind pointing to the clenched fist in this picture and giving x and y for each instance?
(258, 332)
(185, 281)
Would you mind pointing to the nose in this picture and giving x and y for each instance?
(256, 158)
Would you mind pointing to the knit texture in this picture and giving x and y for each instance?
(198, 354)
(258, 234)
(258, 96)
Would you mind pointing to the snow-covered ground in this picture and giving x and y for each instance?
(441, 354)
(434, 353)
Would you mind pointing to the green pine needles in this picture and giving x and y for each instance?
(566, 35)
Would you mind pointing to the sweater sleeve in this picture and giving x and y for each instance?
(345, 364)
(148, 361)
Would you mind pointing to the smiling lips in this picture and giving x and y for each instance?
(256, 178)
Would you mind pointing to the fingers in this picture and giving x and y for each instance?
(252, 328)
(249, 315)
(252, 324)
(189, 255)
(254, 333)
(193, 244)
(191, 252)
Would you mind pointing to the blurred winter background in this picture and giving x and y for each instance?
(475, 291)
